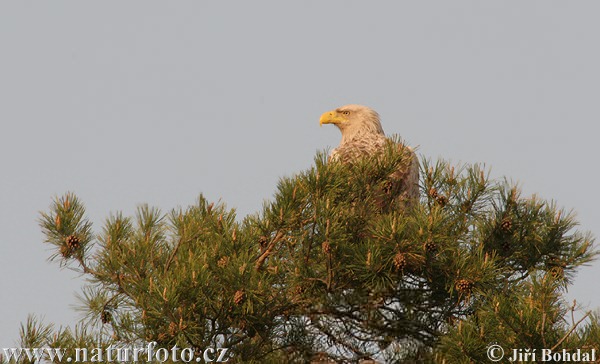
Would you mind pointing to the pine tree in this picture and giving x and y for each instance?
(322, 274)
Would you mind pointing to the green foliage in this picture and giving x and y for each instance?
(324, 271)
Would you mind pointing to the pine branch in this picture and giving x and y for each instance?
(268, 250)
(570, 331)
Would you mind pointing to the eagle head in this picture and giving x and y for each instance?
(353, 120)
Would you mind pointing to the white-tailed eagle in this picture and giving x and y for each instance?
(362, 135)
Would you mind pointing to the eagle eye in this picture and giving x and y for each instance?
(345, 112)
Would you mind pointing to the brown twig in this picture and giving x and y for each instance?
(172, 256)
(87, 269)
(570, 331)
(543, 329)
(267, 251)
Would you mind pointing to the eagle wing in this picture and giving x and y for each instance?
(405, 179)
(402, 185)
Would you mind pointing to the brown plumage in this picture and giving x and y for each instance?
(362, 135)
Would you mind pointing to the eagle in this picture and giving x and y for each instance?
(362, 135)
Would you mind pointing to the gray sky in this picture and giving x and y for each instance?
(147, 101)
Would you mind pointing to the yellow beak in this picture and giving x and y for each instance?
(331, 117)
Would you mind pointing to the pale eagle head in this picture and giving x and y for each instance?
(353, 120)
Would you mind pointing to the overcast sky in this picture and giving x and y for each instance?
(151, 101)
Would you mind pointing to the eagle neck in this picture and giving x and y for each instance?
(352, 135)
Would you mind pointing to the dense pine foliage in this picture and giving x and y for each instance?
(323, 273)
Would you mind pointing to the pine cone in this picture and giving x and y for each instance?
(441, 200)
(239, 297)
(506, 225)
(73, 242)
(430, 246)
(105, 317)
(262, 241)
(326, 247)
(400, 261)
(433, 192)
(464, 286)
